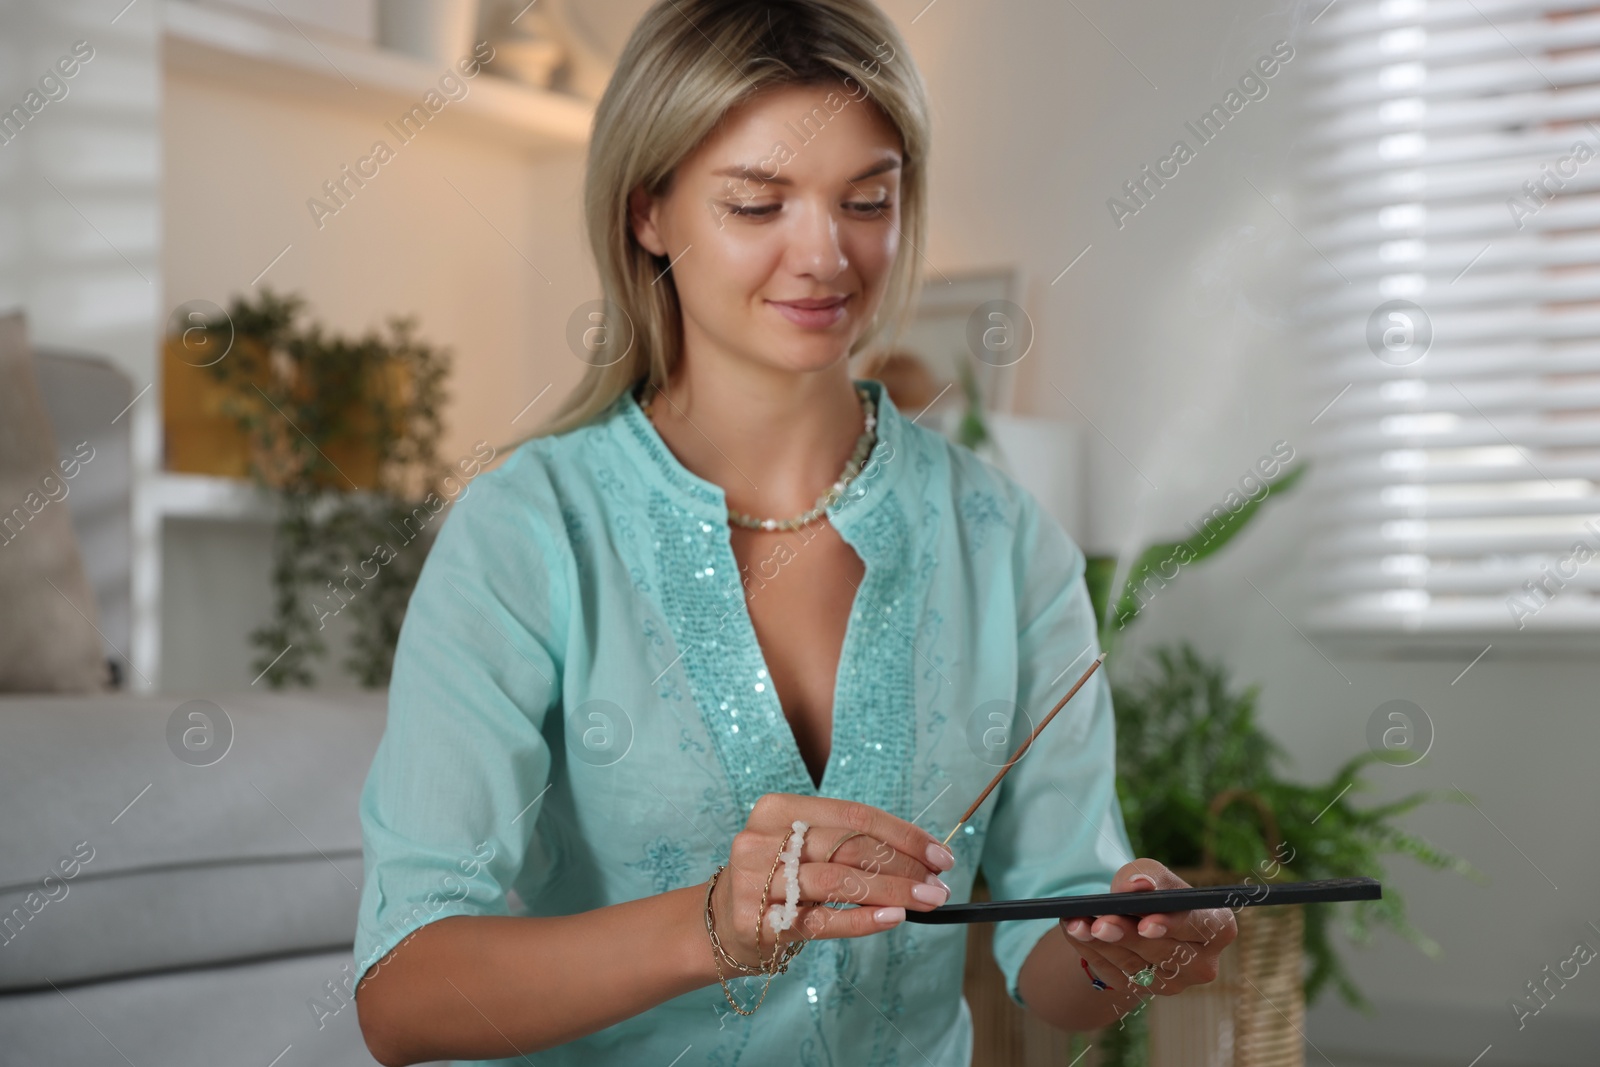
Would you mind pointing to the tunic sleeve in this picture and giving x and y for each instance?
(449, 808)
(1057, 828)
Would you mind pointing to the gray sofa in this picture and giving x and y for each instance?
(161, 911)
(179, 873)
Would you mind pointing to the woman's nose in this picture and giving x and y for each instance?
(814, 247)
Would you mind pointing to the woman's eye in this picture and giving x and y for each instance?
(756, 211)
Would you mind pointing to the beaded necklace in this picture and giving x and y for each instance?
(833, 493)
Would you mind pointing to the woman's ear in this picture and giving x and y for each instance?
(642, 211)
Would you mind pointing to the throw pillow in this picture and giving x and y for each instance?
(48, 636)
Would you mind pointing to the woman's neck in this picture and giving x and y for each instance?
(774, 440)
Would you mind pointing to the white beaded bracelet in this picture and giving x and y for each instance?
(790, 856)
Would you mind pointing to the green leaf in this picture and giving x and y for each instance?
(1212, 533)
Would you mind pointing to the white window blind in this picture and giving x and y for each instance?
(1453, 162)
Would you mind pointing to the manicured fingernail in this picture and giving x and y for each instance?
(1078, 930)
(941, 857)
(930, 894)
(1153, 930)
(1145, 878)
(889, 916)
(1109, 932)
(934, 879)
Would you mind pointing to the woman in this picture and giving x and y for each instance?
(731, 608)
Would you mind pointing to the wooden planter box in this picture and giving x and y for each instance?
(201, 436)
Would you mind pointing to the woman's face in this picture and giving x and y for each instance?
(794, 197)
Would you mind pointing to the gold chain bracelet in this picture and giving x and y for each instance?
(716, 942)
(776, 965)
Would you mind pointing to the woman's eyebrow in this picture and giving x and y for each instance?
(754, 174)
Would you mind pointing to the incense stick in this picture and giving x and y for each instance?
(976, 804)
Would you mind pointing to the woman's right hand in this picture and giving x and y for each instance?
(889, 866)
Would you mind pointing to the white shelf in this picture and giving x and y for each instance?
(272, 55)
(206, 496)
(209, 497)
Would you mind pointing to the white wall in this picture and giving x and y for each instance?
(491, 271)
(495, 287)
(1173, 335)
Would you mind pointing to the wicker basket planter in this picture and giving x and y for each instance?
(1253, 1015)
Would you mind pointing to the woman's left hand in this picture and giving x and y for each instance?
(1181, 947)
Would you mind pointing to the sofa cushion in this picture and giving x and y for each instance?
(48, 639)
(132, 845)
(251, 1014)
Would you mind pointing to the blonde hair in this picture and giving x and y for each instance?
(687, 63)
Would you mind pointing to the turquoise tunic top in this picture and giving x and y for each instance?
(580, 714)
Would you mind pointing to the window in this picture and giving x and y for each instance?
(1453, 317)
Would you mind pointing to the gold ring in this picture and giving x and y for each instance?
(841, 841)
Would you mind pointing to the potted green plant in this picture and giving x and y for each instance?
(1180, 713)
(344, 434)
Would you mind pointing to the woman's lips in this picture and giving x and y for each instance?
(812, 317)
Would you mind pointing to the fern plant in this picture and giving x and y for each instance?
(1186, 719)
